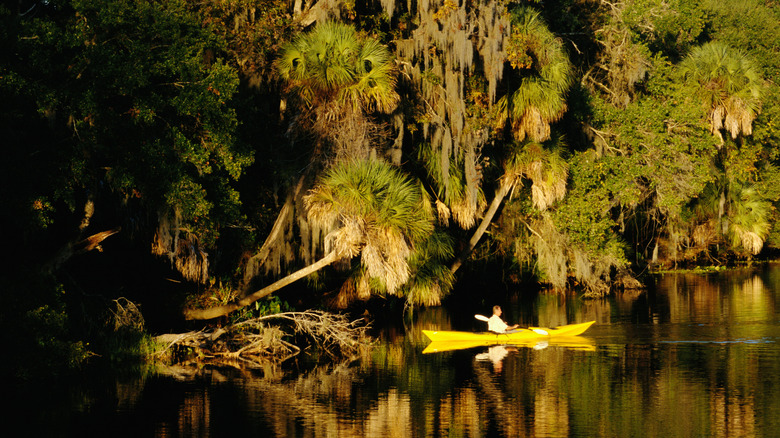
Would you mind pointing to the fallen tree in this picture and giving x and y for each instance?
(254, 342)
(217, 311)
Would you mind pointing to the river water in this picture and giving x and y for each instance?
(693, 355)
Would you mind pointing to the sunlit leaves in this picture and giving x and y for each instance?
(545, 76)
(377, 212)
(334, 62)
(728, 83)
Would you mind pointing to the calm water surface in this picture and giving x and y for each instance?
(694, 355)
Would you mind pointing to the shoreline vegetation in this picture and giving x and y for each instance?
(205, 164)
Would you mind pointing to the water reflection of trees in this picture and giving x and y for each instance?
(733, 296)
(707, 371)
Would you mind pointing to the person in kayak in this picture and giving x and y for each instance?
(497, 325)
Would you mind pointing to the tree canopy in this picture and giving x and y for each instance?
(569, 143)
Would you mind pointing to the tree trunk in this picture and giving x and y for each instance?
(501, 193)
(215, 312)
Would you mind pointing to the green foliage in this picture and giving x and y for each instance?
(268, 306)
(334, 62)
(131, 101)
(253, 30)
(584, 214)
(669, 28)
(47, 326)
(660, 142)
(35, 325)
(545, 76)
(377, 212)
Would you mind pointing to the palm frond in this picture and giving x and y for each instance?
(540, 99)
(333, 62)
(432, 279)
(383, 215)
(452, 188)
(749, 218)
(546, 169)
(729, 83)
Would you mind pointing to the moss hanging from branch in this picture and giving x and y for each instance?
(181, 247)
(451, 42)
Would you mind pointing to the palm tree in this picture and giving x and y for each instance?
(456, 198)
(379, 214)
(333, 63)
(733, 210)
(750, 215)
(546, 74)
(430, 278)
(336, 79)
(340, 77)
(547, 172)
(728, 83)
(374, 210)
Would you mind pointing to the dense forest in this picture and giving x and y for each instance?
(195, 157)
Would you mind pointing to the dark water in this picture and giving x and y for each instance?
(694, 355)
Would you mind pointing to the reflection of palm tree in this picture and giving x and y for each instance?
(728, 83)
(540, 98)
(377, 213)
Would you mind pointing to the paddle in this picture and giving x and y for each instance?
(535, 330)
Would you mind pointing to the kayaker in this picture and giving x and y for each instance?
(497, 325)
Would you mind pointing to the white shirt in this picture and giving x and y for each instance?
(496, 324)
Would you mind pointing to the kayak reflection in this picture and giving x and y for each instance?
(571, 342)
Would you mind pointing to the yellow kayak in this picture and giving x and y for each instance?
(517, 336)
(570, 342)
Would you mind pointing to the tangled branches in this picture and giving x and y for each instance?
(254, 343)
(126, 316)
(333, 333)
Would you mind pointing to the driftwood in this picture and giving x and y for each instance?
(255, 343)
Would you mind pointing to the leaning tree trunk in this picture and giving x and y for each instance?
(501, 193)
(215, 312)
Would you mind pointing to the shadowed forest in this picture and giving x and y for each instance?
(167, 163)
